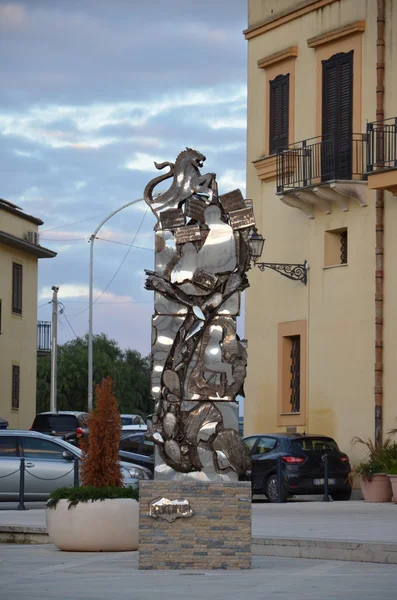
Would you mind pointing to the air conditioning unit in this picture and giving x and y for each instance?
(32, 237)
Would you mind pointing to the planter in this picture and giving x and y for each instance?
(103, 525)
(393, 482)
(378, 489)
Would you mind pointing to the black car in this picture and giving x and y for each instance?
(71, 426)
(301, 458)
(137, 449)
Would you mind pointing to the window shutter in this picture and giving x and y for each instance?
(278, 114)
(337, 115)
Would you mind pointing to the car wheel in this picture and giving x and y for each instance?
(272, 490)
(340, 496)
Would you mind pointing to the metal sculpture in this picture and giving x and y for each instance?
(203, 252)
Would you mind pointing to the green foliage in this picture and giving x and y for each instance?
(380, 459)
(90, 494)
(128, 369)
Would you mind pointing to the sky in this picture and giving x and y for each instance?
(93, 92)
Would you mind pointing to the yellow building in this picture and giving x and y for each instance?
(321, 170)
(19, 254)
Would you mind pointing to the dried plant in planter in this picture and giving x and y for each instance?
(101, 465)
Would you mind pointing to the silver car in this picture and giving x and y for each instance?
(49, 464)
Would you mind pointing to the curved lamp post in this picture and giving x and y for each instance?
(90, 302)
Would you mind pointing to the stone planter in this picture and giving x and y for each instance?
(393, 482)
(378, 489)
(104, 525)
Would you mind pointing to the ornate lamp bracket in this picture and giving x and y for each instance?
(295, 272)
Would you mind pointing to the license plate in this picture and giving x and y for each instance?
(321, 481)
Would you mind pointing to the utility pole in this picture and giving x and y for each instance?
(54, 336)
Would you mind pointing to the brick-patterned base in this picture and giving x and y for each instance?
(217, 536)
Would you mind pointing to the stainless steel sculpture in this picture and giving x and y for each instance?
(203, 252)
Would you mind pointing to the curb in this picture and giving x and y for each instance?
(12, 534)
(372, 552)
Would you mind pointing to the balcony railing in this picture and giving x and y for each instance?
(382, 145)
(321, 159)
(43, 337)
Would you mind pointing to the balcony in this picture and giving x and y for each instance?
(43, 338)
(382, 155)
(321, 172)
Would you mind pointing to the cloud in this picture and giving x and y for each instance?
(71, 290)
(230, 180)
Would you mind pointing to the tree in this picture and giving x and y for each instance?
(101, 464)
(128, 369)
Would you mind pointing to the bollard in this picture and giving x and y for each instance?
(326, 496)
(279, 478)
(76, 472)
(21, 505)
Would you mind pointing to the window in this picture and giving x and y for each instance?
(292, 373)
(250, 442)
(17, 288)
(335, 247)
(8, 446)
(265, 445)
(34, 448)
(58, 423)
(315, 444)
(15, 386)
(278, 114)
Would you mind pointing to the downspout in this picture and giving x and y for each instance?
(379, 216)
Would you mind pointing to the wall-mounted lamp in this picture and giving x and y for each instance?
(296, 272)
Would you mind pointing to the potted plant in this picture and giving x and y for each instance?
(101, 515)
(375, 483)
(390, 461)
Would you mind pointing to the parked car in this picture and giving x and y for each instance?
(48, 465)
(131, 420)
(302, 466)
(71, 426)
(137, 449)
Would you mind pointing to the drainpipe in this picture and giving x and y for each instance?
(379, 215)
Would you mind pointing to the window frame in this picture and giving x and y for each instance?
(30, 438)
(17, 289)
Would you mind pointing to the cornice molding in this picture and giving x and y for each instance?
(285, 17)
(336, 34)
(277, 57)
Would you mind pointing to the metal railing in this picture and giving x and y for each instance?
(382, 145)
(44, 336)
(321, 159)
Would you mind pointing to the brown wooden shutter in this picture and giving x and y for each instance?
(15, 386)
(337, 115)
(278, 114)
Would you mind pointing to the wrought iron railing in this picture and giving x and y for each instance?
(321, 159)
(382, 145)
(44, 336)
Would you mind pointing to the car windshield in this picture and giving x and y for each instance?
(315, 444)
(55, 423)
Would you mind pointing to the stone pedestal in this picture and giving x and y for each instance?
(212, 530)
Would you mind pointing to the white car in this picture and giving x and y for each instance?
(132, 423)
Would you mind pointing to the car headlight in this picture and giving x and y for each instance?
(136, 473)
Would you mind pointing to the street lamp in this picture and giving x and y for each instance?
(296, 272)
(90, 298)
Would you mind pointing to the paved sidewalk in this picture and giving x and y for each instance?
(43, 573)
(349, 521)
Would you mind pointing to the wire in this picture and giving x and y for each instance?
(62, 312)
(124, 244)
(45, 304)
(62, 240)
(75, 222)
(119, 267)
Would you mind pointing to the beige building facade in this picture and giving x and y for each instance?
(321, 170)
(19, 254)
